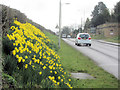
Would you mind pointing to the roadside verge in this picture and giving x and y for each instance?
(111, 43)
(75, 62)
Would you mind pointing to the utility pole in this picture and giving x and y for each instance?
(59, 23)
(81, 24)
(60, 15)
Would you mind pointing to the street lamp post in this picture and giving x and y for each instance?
(59, 23)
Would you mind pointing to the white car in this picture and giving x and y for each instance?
(83, 39)
(68, 36)
(64, 35)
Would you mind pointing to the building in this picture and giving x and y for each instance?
(108, 29)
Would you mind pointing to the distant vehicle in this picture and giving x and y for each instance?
(68, 36)
(83, 39)
(64, 35)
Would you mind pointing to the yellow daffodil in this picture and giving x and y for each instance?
(34, 56)
(14, 52)
(33, 66)
(14, 44)
(19, 60)
(59, 77)
(44, 56)
(50, 71)
(29, 51)
(53, 78)
(40, 73)
(23, 60)
(49, 77)
(61, 80)
(53, 68)
(69, 79)
(56, 64)
(38, 60)
(54, 81)
(41, 63)
(58, 83)
(30, 62)
(44, 67)
(55, 72)
(50, 67)
(64, 72)
(26, 57)
(60, 65)
(17, 56)
(26, 66)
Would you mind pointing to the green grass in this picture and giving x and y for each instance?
(74, 61)
(115, 39)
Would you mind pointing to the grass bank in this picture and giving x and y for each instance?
(74, 61)
(30, 60)
(115, 39)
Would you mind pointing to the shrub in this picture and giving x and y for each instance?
(7, 46)
(10, 81)
(9, 64)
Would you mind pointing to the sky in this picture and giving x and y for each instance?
(46, 12)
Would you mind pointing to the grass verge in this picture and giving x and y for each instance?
(74, 61)
(115, 39)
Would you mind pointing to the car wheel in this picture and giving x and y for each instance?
(89, 44)
(78, 44)
(86, 44)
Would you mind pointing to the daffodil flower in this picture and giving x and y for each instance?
(40, 73)
(26, 66)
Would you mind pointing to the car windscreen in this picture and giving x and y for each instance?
(84, 36)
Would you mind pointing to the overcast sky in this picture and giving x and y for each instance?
(46, 12)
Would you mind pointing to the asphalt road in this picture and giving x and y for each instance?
(104, 55)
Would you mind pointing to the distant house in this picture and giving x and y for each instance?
(91, 31)
(108, 29)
